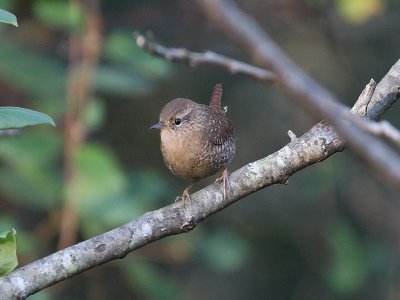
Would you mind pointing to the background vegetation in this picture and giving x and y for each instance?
(332, 233)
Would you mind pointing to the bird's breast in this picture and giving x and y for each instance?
(193, 155)
(180, 152)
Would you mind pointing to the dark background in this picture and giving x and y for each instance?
(331, 233)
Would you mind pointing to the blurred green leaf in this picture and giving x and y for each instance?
(28, 172)
(349, 266)
(224, 251)
(28, 244)
(8, 18)
(97, 188)
(97, 174)
(6, 4)
(120, 48)
(93, 114)
(18, 117)
(6, 221)
(8, 251)
(39, 77)
(32, 149)
(145, 277)
(36, 190)
(115, 81)
(60, 14)
(101, 191)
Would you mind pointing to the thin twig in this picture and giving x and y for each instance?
(361, 105)
(383, 128)
(207, 58)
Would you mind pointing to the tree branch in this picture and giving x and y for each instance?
(317, 144)
(241, 28)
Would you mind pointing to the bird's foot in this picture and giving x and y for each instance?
(185, 195)
(224, 179)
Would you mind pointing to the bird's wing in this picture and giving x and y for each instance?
(224, 131)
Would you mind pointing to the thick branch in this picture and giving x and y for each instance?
(317, 144)
(384, 161)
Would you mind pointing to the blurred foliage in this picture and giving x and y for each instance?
(360, 11)
(8, 251)
(224, 251)
(151, 282)
(62, 15)
(349, 265)
(29, 171)
(321, 237)
(45, 88)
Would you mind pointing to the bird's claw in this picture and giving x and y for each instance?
(224, 179)
(185, 196)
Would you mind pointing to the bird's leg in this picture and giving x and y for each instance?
(185, 195)
(224, 179)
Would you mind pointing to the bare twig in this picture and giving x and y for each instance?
(387, 91)
(292, 136)
(208, 58)
(384, 128)
(361, 105)
(384, 161)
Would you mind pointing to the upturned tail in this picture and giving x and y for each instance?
(216, 97)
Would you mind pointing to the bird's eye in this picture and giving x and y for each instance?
(178, 121)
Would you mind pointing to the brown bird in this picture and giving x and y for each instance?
(197, 140)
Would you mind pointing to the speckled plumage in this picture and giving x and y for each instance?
(197, 140)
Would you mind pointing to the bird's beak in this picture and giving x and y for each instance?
(157, 126)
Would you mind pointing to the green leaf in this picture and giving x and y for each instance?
(8, 251)
(96, 186)
(110, 80)
(28, 174)
(19, 65)
(348, 268)
(8, 18)
(17, 117)
(145, 276)
(121, 49)
(59, 14)
(224, 251)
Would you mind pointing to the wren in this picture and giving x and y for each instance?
(197, 140)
